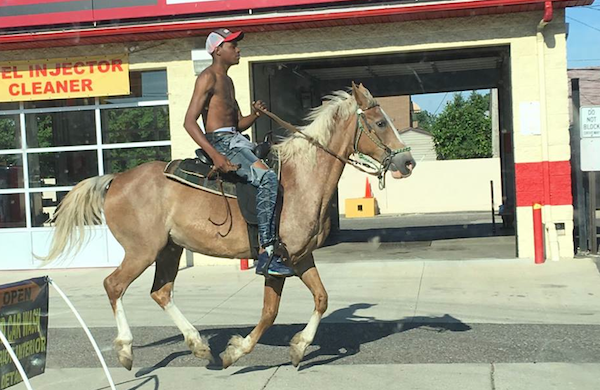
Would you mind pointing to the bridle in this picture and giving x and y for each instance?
(389, 154)
(379, 169)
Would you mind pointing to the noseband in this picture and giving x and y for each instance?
(367, 161)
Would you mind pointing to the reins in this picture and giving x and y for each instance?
(360, 129)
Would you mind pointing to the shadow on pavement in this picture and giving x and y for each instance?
(341, 334)
(418, 233)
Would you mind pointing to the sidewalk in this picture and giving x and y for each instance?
(464, 292)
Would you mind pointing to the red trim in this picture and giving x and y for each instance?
(309, 20)
(545, 182)
(12, 3)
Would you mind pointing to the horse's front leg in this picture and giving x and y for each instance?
(239, 346)
(312, 280)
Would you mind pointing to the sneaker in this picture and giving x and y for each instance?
(276, 268)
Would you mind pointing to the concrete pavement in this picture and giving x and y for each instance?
(507, 324)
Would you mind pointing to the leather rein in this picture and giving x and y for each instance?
(360, 129)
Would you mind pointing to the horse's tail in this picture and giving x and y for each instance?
(82, 206)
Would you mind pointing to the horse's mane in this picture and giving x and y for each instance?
(336, 107)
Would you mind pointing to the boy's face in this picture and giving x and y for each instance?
(229, 52)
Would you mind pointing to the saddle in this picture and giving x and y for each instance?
(196, 172)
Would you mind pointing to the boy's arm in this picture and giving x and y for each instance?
(204, 87)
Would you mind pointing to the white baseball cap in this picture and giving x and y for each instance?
(221, 35)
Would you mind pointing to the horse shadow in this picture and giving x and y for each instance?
(341, 335)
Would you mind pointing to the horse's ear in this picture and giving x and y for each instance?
(359, 96)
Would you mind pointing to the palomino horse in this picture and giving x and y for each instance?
(154, 218)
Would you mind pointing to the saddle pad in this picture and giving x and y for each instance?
(194, 173)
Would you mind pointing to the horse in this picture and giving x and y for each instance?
(154, 218)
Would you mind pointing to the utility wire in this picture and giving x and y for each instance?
(585, 24)
(444, 98)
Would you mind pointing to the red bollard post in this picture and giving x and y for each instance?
(243, 264)
(538, 233)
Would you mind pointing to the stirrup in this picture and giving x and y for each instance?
(280, 250)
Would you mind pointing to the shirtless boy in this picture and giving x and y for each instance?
(214, 99)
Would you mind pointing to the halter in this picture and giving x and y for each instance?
(384, 166)
(369, 162)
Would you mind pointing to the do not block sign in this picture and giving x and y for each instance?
(589, 119)
(24, 322)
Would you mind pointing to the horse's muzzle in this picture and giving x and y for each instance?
(402, 165)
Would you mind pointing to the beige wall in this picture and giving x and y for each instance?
(422, 146)
(538, 74)
(436, 186)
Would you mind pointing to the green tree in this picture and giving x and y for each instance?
(464, 129)
(425, 119)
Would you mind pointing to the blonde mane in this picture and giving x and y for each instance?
(337, 107)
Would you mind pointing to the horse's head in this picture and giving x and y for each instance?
(377, 137)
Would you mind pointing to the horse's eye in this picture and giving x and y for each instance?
(381, 124)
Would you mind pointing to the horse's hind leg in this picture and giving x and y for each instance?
(115, 285)
(167, 265)
(239, 346)
(304, 338)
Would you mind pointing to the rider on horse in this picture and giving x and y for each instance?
(214, 98)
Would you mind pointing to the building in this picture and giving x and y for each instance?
(137, 73)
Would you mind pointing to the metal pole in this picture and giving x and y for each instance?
(189, 258)
(581, 204)
(87, 332)
(493, 216)
(592, 216)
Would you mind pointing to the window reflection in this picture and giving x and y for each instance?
(59, 103)
(135, 124)
(10, 132)
(61, 168)
(12, 211)
(120, 160)
(148, 85)
(60, 129)
(11, 171)
(43, 206)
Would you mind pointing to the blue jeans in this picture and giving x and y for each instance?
(263, 179)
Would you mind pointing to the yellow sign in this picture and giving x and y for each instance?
(62, 78)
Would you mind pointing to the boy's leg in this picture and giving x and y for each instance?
(259, 175)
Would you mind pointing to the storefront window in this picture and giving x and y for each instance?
(136, 124)
(43, 206)
(10, 132)
(60, 146)
(11, 171)
(12, 211)
(59, 103)
(61, 168)
(120, 160)
(145, 86)
(60, 129)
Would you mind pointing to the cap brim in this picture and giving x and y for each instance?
(234, 36)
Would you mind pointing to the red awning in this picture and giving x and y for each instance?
(128, 31)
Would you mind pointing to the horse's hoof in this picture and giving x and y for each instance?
(199, 348)
(297, 349)
(126, 362)
(124, 353)
(233, 351)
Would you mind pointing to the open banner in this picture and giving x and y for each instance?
(64, 78)
(24, 322)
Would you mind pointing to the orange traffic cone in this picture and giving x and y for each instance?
(368, 192)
